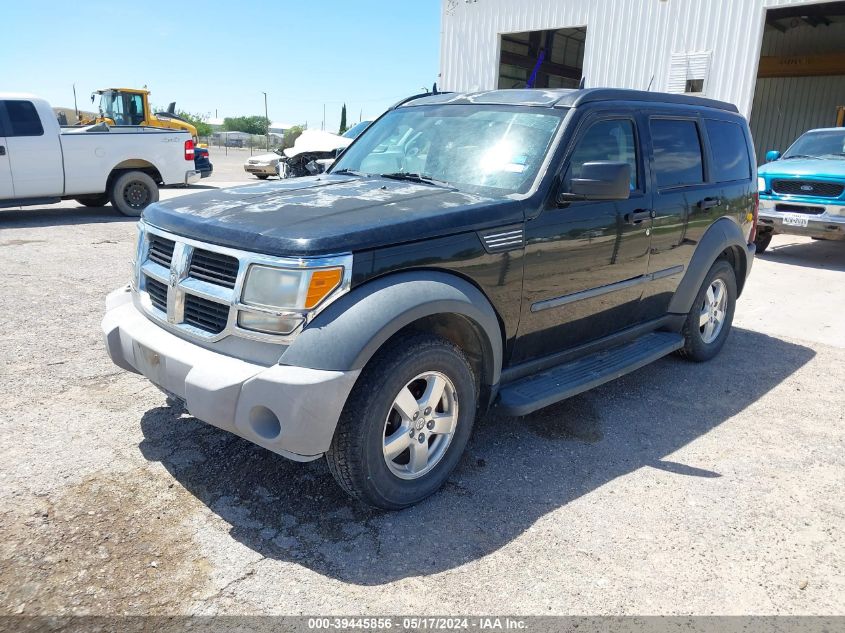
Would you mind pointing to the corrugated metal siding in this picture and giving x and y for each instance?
(628, 41)
(786, 107)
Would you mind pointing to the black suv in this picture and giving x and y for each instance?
(509, 248)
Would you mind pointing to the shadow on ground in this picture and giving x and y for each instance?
(30, 217)
(822, 254)
(515, 470)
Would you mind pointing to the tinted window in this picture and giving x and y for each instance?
(677, 153)
(730, 153)
(606, 141)
(23, 119)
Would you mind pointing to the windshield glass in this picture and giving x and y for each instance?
(821, 144)
(497, 149)
(356, 129)
(107, 103)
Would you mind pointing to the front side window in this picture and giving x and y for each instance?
(492, 149)
(23, 119)
(612, 140)
(677, 153)
(730, 153)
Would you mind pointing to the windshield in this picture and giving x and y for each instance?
(110, 105)
(498, 149)
(821, 144)
(356, 129)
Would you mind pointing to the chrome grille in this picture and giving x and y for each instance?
(161, 250)
(215, 268)
(808, 188)
(157, 292)
(206, 315)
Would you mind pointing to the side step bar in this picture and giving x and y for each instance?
(528, 394)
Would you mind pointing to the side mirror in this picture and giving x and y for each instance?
(772, 155)
(600, 180)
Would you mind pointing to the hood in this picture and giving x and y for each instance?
(810, 167)
(263, 158)
(317, 141)
(327, 214)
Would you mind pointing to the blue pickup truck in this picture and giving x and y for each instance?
(803, 191)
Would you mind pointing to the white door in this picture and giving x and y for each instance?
(6, 189)
(35, 155)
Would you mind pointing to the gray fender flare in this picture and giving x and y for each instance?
(349, 331)
(722, 234)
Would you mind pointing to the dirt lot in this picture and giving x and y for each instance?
(682, 488)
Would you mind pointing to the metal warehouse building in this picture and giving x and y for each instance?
(782, 62)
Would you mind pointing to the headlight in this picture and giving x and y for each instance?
(284, 296)
(761, 184)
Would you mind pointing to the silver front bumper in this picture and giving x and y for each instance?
(829, 225)
(292, 411)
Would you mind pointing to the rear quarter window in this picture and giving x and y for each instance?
(730, 152)
(23, 119)
(677, 153)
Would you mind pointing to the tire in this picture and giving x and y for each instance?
(700, 343)
(762, 242)
(262, 176)
(100, 200)
(358, 457)
(132, 192)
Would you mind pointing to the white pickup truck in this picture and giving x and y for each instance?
(42, 163)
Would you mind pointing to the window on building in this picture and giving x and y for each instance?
(730, 153)
(23, 119)
(688, 73)
(677, 153)
(611, 140)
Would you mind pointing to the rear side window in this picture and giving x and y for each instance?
(23, 119)
(611, 140)
(677, 153)
(730, 153)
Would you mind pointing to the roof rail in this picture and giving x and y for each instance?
(418, 96)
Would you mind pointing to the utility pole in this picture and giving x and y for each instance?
(267, 121)
(324, 117)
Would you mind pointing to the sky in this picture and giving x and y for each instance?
(211, 56)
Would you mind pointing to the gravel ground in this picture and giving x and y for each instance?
(679, 489)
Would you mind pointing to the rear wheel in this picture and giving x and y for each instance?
(132, 192)
(405, 424)
(709, 321)
(93, 201)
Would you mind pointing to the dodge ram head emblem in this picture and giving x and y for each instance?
(806, 187)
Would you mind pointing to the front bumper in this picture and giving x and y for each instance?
(292, 411)
(192, 176)
(270, 170)
(830, 224)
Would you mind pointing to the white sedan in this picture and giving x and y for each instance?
(264, 165)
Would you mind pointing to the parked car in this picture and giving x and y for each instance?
(507, 248)
(202, 162)
(803, 191)
(41, 163)
(263, 166)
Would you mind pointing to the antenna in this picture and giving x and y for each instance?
(583, 83)
(75, 107)
(651, 81)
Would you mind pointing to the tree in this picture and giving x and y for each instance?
(291, 134)
(198, 121)
(343, 127)
(250, 124)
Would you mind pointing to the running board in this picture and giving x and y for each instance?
(528, 394)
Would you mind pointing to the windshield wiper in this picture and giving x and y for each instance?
(346, 172)
(800, 156)
(421, 178)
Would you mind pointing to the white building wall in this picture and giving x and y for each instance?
(628, 41)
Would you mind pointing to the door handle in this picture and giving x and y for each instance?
(635, 217)
(709, 203)
(2, 150)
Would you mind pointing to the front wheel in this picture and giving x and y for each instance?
(262, 176)
(709, 321)
(406, 422)
(762, 242)
(132, 192)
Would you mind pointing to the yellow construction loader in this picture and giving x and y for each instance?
(131, 106)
